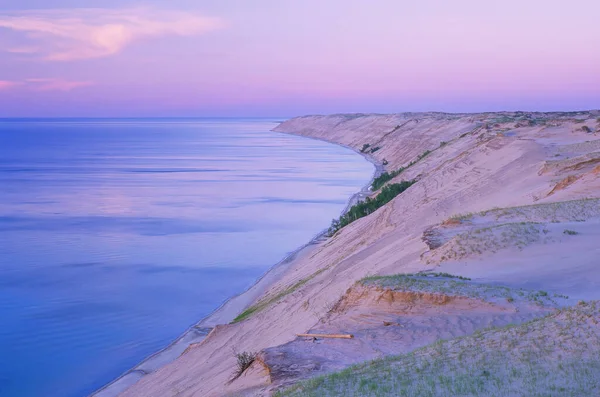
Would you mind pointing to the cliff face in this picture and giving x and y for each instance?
(464, 164)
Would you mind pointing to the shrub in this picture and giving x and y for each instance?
(425, 154)
(587, 129)
(570, 232)
(365, 147)
(369, 206)
(388, 176)
(375, 149)
(244, 361)
(385, 178)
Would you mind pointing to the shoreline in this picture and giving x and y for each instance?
(234, 305)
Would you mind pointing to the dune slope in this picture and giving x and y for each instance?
(501, 198)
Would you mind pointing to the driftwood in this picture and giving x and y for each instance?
(336, 336)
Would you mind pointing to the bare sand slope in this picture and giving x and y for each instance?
(464, 164)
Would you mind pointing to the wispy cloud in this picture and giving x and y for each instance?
(65, 35)
(56, 84)
(45, 84)
(4, 85)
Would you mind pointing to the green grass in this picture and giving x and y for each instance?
(447, 284)
(446, 275)
(579, 210)
(558, 355)
(266, 302)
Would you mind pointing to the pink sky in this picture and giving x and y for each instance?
(286, 58)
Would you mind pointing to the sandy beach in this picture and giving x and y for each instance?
(505, 207)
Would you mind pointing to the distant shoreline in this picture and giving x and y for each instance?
(225, 313)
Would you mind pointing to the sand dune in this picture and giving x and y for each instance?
(500, 198)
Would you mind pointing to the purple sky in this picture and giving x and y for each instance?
(292, 57)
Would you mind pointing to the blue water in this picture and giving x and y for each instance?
(117, 235)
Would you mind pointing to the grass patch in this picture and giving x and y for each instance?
(562, 211)
(261, 305)
(446, 275)
(369, 206)
(557, 355)
(451, 285)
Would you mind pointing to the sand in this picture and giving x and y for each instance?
(519, 165)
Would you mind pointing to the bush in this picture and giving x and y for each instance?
(244, 361)
(570, 232)
(365, 147)
(375, 149)
(388, 176)
(369, 206)
(385, 178)
(425, 154)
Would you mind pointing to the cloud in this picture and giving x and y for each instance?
(45, 84)
(66, 35)
(5, 85)
(56, 84)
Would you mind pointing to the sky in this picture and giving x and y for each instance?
(282, 58)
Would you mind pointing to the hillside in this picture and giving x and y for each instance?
(508, 202)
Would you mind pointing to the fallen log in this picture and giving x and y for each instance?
(336, 336)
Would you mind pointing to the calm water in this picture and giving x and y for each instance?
(116, 235)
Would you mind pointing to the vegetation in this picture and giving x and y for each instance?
(570, 232)
(557, 355)
(421, 157)
(587, 129)
(388, 176)
(385, 178)
(270, 300)
(448, 284)
(365, 147)
(369, 206)
(445, 275)
(244, 361)
(375, 149)
(443, 143)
